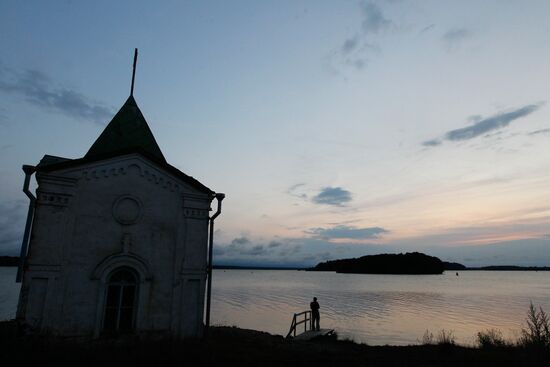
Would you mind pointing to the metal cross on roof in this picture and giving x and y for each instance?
(134, 72)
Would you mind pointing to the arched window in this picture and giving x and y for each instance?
(120, 301)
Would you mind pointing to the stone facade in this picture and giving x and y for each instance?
(117, 245)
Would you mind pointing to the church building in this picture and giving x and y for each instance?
(116, 241)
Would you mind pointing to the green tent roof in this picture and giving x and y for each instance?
(127, 131)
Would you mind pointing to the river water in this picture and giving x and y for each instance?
(369, 308)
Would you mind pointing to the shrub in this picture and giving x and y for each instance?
(428, 338)
(490, 338)
(445, 337)
(537, 333)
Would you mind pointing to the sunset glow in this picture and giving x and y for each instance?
(333, 129)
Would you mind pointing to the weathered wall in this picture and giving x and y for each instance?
(120, 212)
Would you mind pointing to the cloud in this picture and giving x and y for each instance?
(432, 143)
(240, 241)
(524, 252)
(297, 191)
(427, 29)
(290, 251)
(12, 225)
(336, 196)
(285, 254)
(541, 131)
(347, 232)
(374, 20)
(273, 244)
(491, 123)
(485, 125)
(3, 116)
(356, 50)
(274, 253)
(38, 89)
(254, 251)
(454, 37)
(520, 243)
(350, 44)
(475, 118)
(324, 256)
(241, 246)
(307, 251)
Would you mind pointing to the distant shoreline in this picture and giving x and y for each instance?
(483, 268)
(13, 261)
(9, 261)
(245, 267)
(510, 268)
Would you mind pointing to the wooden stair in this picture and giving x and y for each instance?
(308, 332)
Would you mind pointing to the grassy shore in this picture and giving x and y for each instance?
(230, 346)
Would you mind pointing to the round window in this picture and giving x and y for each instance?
(127, 209)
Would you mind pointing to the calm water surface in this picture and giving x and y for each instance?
(381, 309)
(375, 309)
(9, 292)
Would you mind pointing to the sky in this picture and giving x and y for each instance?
(335, 128)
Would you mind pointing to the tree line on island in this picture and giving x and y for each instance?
(408, 263)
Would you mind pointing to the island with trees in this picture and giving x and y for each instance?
(408, 263)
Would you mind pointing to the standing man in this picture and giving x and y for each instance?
(315, 314)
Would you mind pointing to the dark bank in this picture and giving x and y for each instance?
(231, 346)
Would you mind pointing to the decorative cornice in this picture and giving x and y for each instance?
(45, 179)
(52, 198)
(150, 174)
(103, 173)
(195, 213)
(194, 206)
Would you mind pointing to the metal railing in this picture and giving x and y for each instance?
(298, 319)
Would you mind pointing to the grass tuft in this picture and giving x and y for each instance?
(491, 338)
(443, 337)
(537, 332)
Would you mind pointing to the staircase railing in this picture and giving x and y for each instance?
(298, 319)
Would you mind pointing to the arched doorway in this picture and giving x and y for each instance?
(120, 301)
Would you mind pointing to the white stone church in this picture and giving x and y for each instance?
(118, 241)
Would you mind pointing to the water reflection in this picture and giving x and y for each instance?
(376, 309)
(380, 309)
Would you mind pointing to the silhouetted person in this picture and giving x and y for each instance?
(315, 317)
